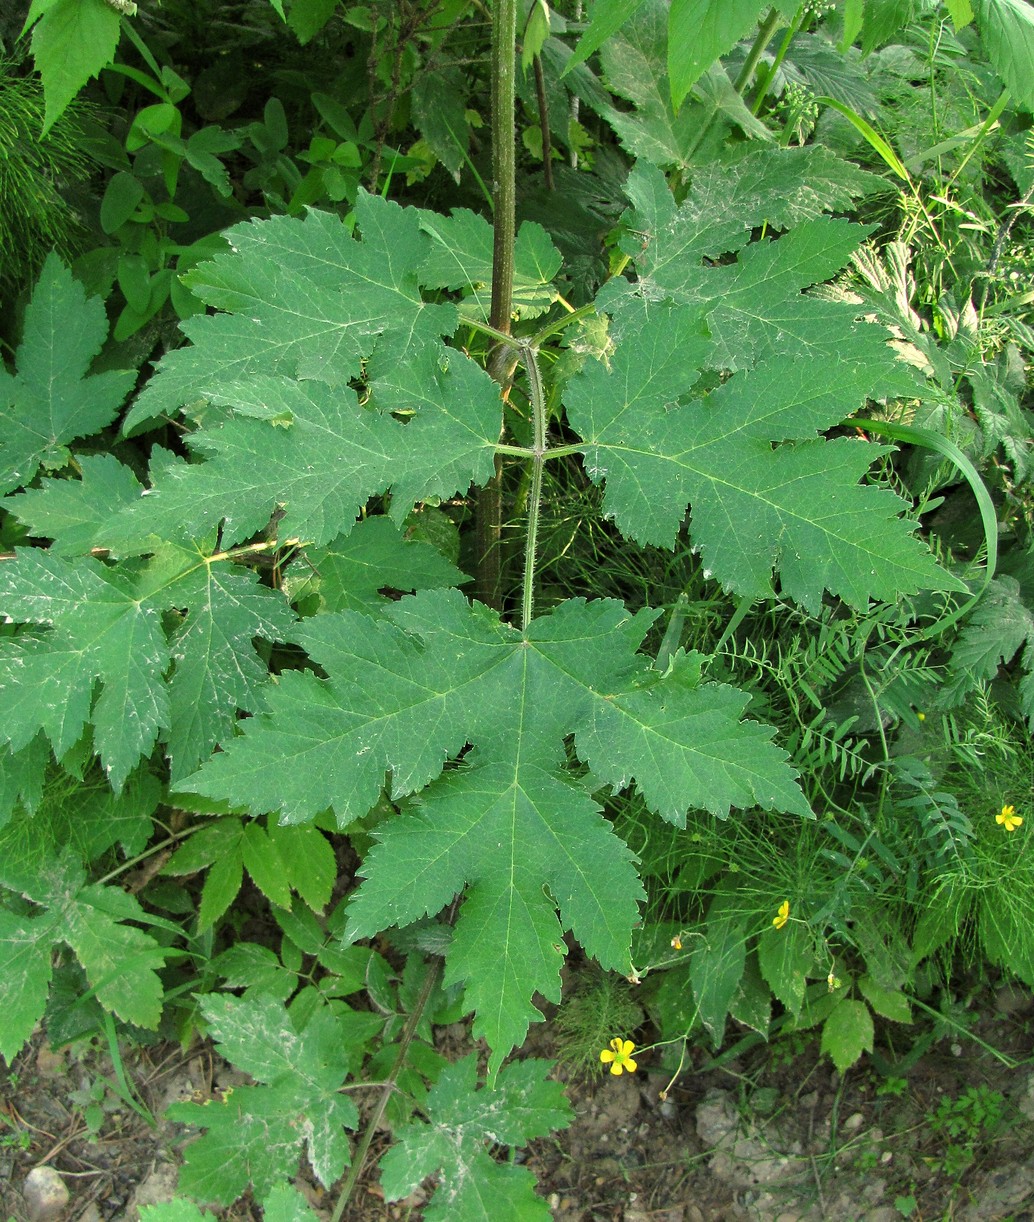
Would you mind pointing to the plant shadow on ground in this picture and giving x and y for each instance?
(774, 1133)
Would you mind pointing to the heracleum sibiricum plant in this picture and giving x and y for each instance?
(325, 379)
(327, 395)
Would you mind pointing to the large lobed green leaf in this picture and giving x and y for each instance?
(767, 492)
(436, 675)
(302, 298)
(324, 382)
(104, 624)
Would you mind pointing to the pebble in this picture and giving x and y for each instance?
(158, 1188)
(45, 1194)
(51, 1064)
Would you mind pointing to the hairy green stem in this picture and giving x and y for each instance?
(504, 160)
(764, 35)
(538, 423)
(761, 41)
(489, 507)
(766, 83)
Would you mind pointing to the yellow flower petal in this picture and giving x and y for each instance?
(1009, 819)
(782, 915)
(619, 1056)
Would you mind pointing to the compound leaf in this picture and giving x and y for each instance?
(766, 491)
(97, 630)
(120, 960)
(277, 859)
(104, 624)
(317, 455)
(462, 1122)
(775, 188)
(72, 512)
(669, 720)
(216, 669)
(351, 572)
(255, 1134)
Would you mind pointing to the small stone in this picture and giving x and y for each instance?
(716, 1118)
(51, 1064)
(1013, 999)
(854, 1122)
(45, 1194)
(157, 1189)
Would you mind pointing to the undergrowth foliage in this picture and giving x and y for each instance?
(324, 381)
(246, 654)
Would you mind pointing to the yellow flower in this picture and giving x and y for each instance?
(783, 915)
(1009, 819)
(676, 942)
(619, 1056)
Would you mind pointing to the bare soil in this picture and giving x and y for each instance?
(776, 1134)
